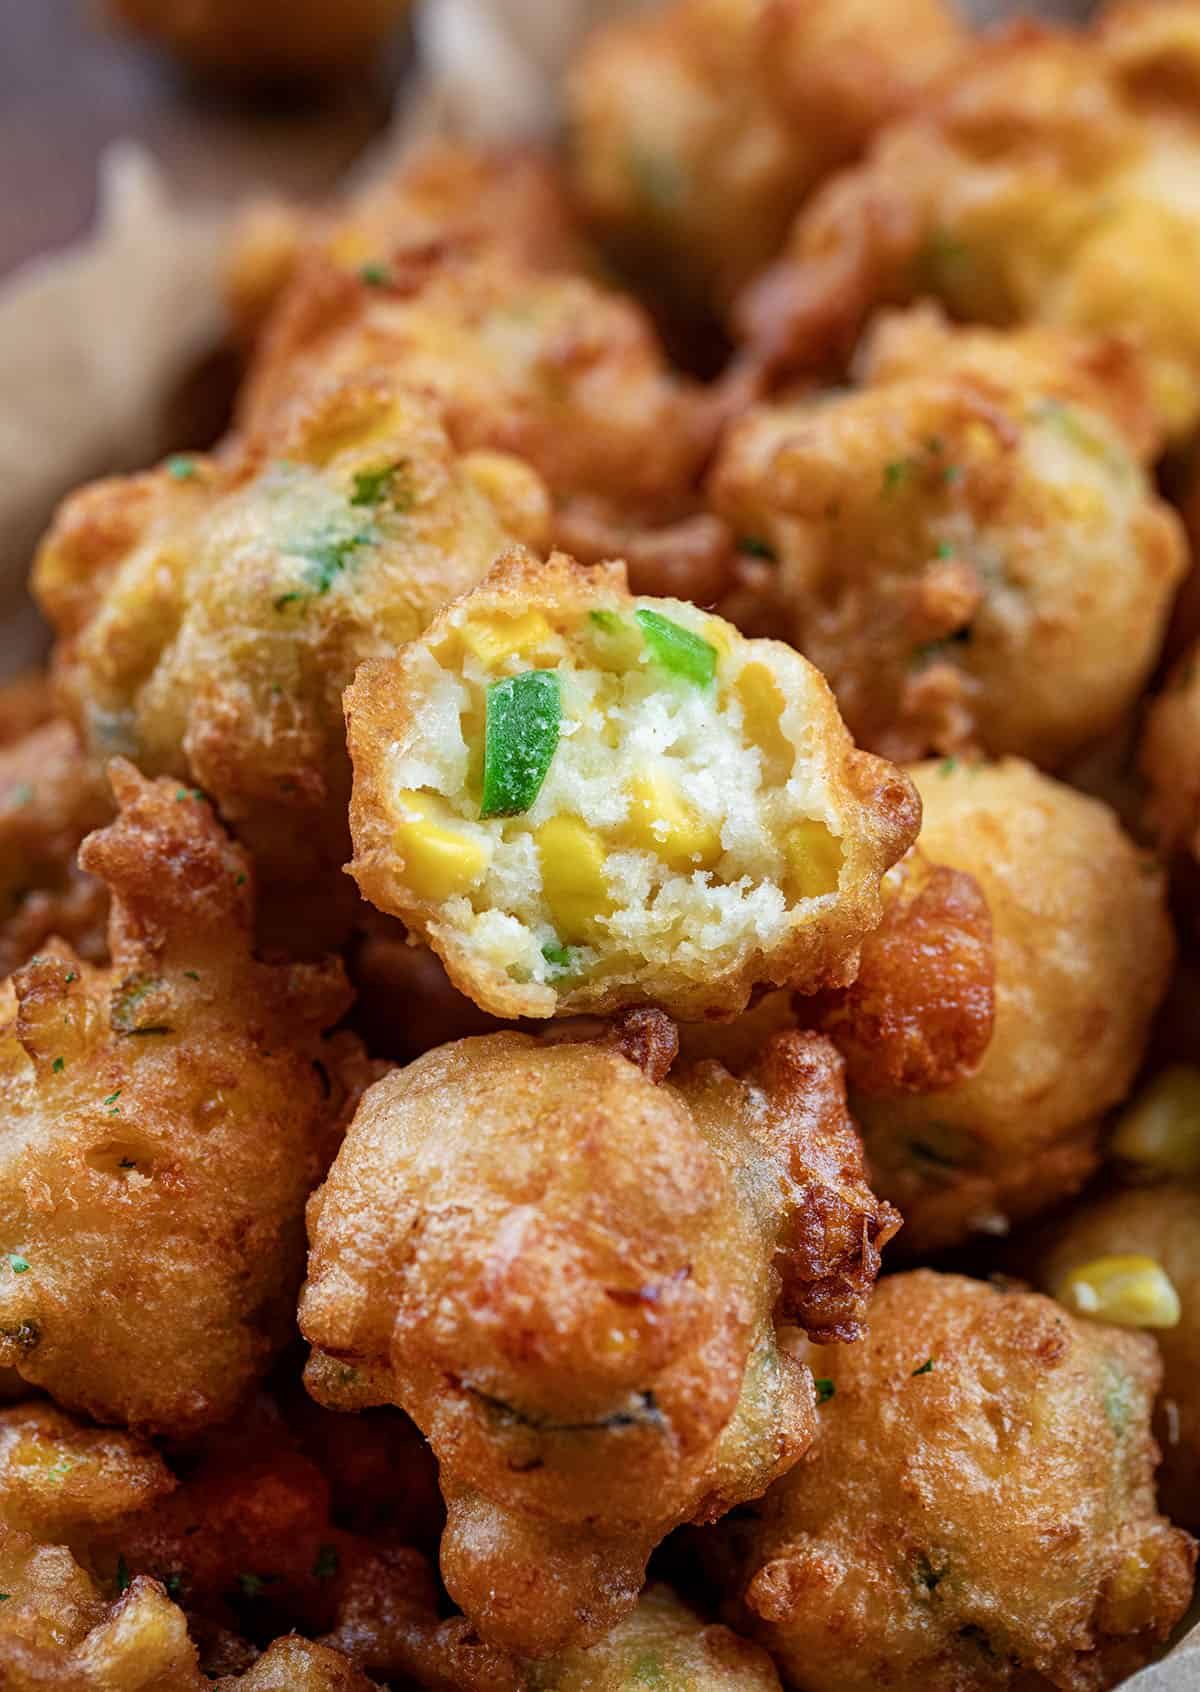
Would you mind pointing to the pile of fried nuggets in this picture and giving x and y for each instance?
(655, 1005)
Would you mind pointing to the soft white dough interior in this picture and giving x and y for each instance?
(619, 724)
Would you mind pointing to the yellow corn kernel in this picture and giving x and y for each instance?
(762, 706)
(662, 822)
(718, 633)
(572, 859)
(1160, 1131)
(814, 860)
(491, 639)
(439, 862)
(1132, 1291)
(516, 492)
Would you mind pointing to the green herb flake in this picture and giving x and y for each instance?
(60, 1470)
(123, 1576)
(375, 274)
(72, 975)
(58, 1065)
(18, 1264)
(181, 467)
(677, 649)
(251, 1584)
(896, 474)
(192, 974)
(19, 796)
(173, 1584)
(947, 767)
(825, 1389)
(755, 547)
(647, 1670)
(952, 473)
(607, 622)
(127, 1163)
(240, 879)
(925, 1369)
(4, 1597)
(327, 1563)
(945, 549)
(112, 1097)
(521, 730)
(373, 487)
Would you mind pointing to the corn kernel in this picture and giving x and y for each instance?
(662, 822)
(762, 707)
(572, 859)
(491, 639)
(439, 862)
(717, 632)
(814, 860)
(1132, 1291)
(1161, 1128)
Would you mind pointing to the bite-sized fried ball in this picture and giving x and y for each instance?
(967, 545)
(699, 127)
(448, 196)
(268, 40)
(1083, 951)
(165, 1123)
(391, 1627)
(552, 367)
(51, 795)
(297, 1665)
(1047, 181)
(59, 1634)
(920, 1014)
(209, 614)
(62, 1481)
(582, 800)
(1133, 1254)
(1170, 758)
(569, 1271)
(978, 1509)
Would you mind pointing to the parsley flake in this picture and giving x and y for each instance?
(755, 547)
(375, 275)
(112, 1097)
(251, 1584)
(825, 1390)
(20, 795)
(18, 1264)
(925, 1369)
(123, 1576)
(181, 467)
(895, 473)
(947, 766)
(327, 1563)
(58, 1065)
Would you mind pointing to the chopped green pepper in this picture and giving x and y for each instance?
(677, 649)
(825, 1389)
(520, 738)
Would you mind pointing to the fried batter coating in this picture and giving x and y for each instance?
(51, 795)
(920, 1014)
(62, 1481)
(576, 1297)
(297, 1665)
(698, 128)
(978, 1510)
(1050, 180)
(267, 40)
(26, 702)
(209, 614)
(166, 1121)
(582, 800)
(552, 367)
(967, 545)
(449, 196)
(1160, 1223)
(57, 1634)
(1083, 951)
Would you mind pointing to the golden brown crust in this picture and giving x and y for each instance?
(384, 709)
(967, 545)
(919, 1016)
(210, 614)
(977, 1511)
(1083, 952)
(576, 1302)
(167, 1120)
(1170, 758)
(698, 129)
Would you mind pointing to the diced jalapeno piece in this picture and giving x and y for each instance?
(677, 649)
(520, 736)
(560, 958)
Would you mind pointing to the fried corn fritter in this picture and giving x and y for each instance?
(267, 40)
(166, 1121)
(1170, 758)
(552, 367)
(210, 613)
(26, 702)
(967, 545)
(448, 197)
(576, 1297)
(1133, 1254)
(698, 128)
(978, 1510)
(1050, 180)
(583, 800)
(51, 795)
(1083, 951)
